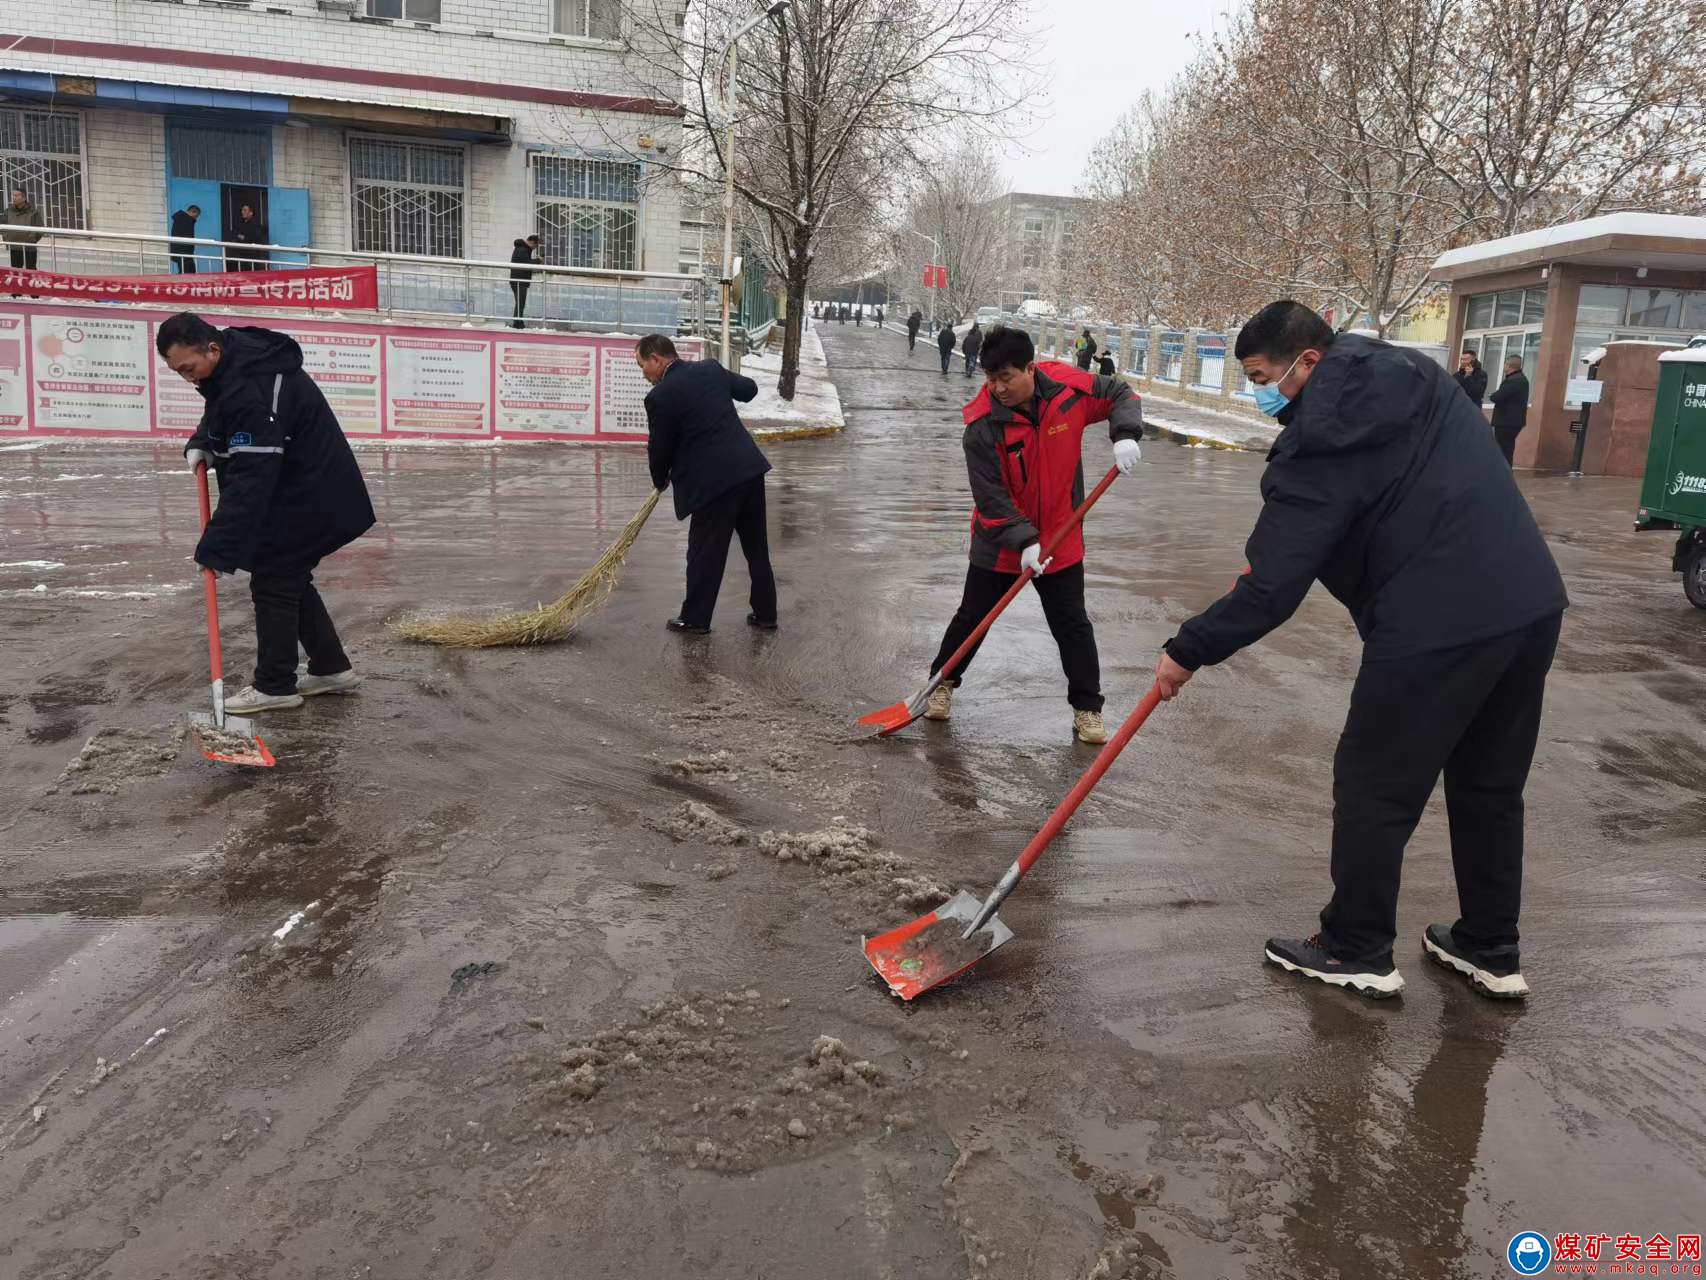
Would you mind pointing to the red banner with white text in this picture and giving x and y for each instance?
(354, 287)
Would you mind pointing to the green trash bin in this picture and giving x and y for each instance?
(1673, 492)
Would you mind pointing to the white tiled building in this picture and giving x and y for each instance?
(443, 127)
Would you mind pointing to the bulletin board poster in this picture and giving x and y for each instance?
(439, 386)
(546, 388)
(622, 391)
(345, 364)
(91, 373)
(14, 392)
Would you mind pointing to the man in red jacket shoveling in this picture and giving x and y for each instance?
(1023, 443)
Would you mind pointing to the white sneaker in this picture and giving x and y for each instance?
(250, 700)
(940, 704)
(342, 682)
(1088, 728)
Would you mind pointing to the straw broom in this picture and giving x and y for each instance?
(549, 622)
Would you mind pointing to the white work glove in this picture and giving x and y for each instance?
(1126, 454)
(198, 458)
(1032, 558)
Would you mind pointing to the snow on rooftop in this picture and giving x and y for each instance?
(1688, 355)
(1668, 225)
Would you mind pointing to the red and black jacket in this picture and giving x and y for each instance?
(1026, 467)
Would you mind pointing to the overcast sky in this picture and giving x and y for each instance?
(1100, 55)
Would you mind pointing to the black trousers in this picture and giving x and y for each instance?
(1062, 595)
(287, 610)
(519, 289)
(739, 512)
(1473, 713)
(1506, 436)
(183, 259)
(23, 257)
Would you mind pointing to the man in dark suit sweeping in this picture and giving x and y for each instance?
(699, 444)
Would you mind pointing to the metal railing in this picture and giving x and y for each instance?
(415, 287)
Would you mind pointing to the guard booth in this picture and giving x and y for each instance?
(1673, 492)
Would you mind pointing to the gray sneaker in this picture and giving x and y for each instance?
(343, 682)
(251, 700)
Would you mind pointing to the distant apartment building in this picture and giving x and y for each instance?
(441, 127)
(1038, 241)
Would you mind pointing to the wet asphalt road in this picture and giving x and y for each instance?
(475, 1052)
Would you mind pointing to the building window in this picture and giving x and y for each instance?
(1501, 325)
(1033, 243)
(1610, 313)
(700, 241)
(242, 156)
(586, 211)
(587, 19)
(41, 153)
(406, 197)
(404, 10)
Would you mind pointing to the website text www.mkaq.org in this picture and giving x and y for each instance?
(1627, 1269)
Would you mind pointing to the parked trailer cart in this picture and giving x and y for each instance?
(1673, 494)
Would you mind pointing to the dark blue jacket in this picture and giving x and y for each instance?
(290, 491)
(696, 439)
(1387, 487)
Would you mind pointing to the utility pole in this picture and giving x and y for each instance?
(728, 273)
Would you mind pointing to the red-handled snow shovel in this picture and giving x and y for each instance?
(956, 935)
(894, 719)
(222, 738)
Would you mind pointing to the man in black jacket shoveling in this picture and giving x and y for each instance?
(290, 494)
(697, 442)
(1386, 485)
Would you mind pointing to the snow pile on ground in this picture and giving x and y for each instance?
(1213, 426)
(816, 402)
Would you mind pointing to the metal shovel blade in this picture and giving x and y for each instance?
(236, 743)
(929, 951)
(889, 719)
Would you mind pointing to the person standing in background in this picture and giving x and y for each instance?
(1471, 378)
(914, 323)
(183, 228)
(1105, 363)
(1084, 350)
(249, 230)
(1510, 408)
(21, 241)
(521, 279)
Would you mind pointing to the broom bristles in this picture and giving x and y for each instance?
(545, 624)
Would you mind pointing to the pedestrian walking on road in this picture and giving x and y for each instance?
(1510, 408)
(945, 344)
(1024, 455)
(972, 344)
(841, 314)
(1471, 378)
(859, 317)
(183, 228)
(698, 444)
(290, 494)
(914, 322)
(1084, 350)
(520, 278)
(879, 317)
(1384, 486)
(17, 230)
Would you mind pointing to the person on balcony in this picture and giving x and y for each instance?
(248, 230)
(521, 279)
(20, 233)
(183, 229)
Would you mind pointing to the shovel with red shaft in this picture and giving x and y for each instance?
(223, 739)
(956, 935)
(894, 719)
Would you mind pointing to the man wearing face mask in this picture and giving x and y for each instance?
(1386, 486)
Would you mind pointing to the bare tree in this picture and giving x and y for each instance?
(830, 94)
(954, 197)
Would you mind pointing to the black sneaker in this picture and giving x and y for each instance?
(1308, 957)
(1492, 973)
(753, 620)
(688, 628)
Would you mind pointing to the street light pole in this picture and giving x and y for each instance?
(932, 287)
(729, 60)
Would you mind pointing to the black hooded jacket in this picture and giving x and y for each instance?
(289, 488)
(1387, 487)
(523, 252)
